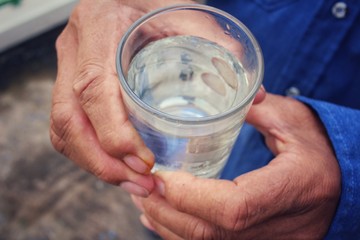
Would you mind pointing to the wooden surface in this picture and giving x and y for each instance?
(42, 194)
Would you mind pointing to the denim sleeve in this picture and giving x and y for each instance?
(343, 127)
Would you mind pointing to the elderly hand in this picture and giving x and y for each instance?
(293, 197)
(89, 124)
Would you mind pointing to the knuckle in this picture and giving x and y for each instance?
(235, 216)
(60, 128)
(118, 144)
(60, 134)
(198, 230)
(60, 41)
(98, 170)
(89, 82)
(110, 141)
(56, 141)
(101, 171)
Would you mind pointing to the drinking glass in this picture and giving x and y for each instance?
(189, 74)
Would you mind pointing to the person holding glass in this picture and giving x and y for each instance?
(294, 172)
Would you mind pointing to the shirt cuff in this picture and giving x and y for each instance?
(343, 127)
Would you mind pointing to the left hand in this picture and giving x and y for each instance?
(293, 197)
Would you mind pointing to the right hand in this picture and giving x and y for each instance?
(89, 124)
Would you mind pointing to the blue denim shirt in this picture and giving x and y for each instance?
(312, 49)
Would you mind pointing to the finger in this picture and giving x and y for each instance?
(71, 132)
(102, 102)
(98, 90)
(287, 225)
(145, 221)
(66, 49)
(157, 228)
(170, 223)
(266, 107)
(286, 122)
(82, 146)
(260, 95)
(233, 205)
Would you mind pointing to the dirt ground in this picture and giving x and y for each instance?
(42, 194)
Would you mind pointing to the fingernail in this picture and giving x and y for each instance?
(137, 164)
(135, 189)
(145, 221)
(160, 186)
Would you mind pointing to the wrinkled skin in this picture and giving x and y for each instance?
(293, 197)
(89, 123)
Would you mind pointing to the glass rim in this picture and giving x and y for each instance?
(189, 120)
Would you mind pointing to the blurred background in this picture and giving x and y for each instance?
(42, 194)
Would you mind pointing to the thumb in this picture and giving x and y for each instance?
(266, 114)
(282, 120)
(232, 205)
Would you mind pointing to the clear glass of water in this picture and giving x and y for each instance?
(189, 74)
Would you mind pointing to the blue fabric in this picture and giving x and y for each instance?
(307, 47)
(343, 128)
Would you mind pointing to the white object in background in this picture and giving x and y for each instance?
(30, 18)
